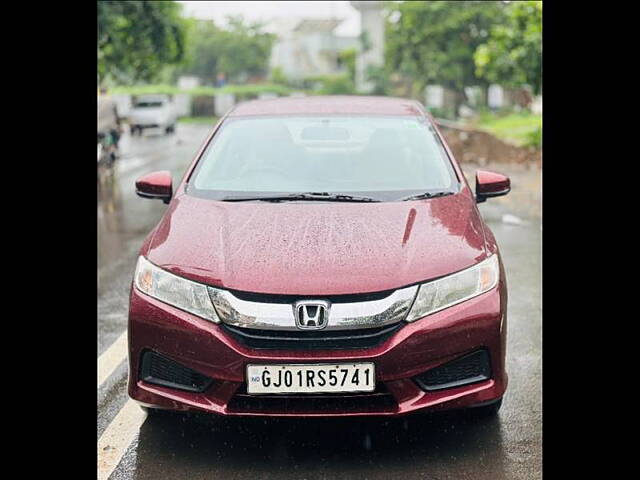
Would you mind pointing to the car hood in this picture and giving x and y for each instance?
(317, 248)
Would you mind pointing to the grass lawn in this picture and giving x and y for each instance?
(513, 127)
(208, 120)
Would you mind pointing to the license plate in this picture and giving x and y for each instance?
(313, 378)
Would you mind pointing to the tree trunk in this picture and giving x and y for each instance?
(485, 95)
(459, 99)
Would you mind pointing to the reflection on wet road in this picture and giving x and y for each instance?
(438, 446)
(425, 446)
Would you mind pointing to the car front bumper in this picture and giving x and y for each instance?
(413, 349)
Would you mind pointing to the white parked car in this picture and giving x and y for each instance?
(152, 111)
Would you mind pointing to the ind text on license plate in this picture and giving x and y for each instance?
(311, 378)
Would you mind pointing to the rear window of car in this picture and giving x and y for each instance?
(336, 154)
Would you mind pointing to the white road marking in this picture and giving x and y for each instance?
(512, 219)
(122, 430)
(118, 436)
(109, 360)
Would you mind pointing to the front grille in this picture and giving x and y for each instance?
(472, 368)
(311, 340)
(379, 400)
(159, 370)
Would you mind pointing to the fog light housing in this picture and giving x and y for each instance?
(159, 370)
(471, 368)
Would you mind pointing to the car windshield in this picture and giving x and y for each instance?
(148, 104)
(333, 154)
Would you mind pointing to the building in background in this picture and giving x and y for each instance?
(371, 45)
(308, 47)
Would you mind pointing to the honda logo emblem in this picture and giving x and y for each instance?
(311, 314)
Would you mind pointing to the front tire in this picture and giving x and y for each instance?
(156, 412)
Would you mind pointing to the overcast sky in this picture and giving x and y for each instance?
(267, 10)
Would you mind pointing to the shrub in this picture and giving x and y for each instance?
(240, 91)
(331, 84)
(146, 90)
(437, 112)
(278, 77)
(534, 138)
(380, 79)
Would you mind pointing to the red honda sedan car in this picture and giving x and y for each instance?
(322, 256)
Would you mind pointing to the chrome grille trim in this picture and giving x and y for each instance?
(342, 316)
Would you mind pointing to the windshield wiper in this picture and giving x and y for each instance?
(322, 196)
(422, 196)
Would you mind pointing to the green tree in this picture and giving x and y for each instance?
(434, 42)
(379, 77)
(240, 48)
(137, 39)
(347, 58)
(512, 54)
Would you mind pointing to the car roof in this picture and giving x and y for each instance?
(323, 105)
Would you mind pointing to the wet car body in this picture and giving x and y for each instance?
(347, 254)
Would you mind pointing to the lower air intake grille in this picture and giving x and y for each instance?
(160, 370)
(379, 400)
(472, 368)
(322, 339)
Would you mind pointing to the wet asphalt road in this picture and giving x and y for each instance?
(425, 446)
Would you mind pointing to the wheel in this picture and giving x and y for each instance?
(157, 412)
(170, 129)
(483, 411)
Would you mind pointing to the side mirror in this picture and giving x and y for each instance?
(491, 184)
(155, 185)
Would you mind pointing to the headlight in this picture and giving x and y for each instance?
(177, 291)
(447, 291)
